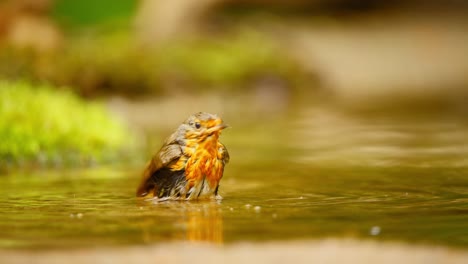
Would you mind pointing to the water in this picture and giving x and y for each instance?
(315, 173)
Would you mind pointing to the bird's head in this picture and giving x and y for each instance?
(202, 126)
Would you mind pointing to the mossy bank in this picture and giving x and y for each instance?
(42, 127)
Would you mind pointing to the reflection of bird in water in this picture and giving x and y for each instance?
(191, 162)
(204, 223)
(183, 221)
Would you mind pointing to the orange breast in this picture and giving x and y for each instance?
(204, 163)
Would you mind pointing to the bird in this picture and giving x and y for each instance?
(190, 163)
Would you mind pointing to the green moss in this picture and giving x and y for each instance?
(41, 125)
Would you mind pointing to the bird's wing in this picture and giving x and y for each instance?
(223, 152)
(167, 154)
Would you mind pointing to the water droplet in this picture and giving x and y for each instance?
(72, 216)
(274, 215)
(375, 231)
(232, 209)
(257, 209)
(79, 215)
(248, 206)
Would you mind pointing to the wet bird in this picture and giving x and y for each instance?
(190, 163)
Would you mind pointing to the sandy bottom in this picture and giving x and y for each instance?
(323, 251)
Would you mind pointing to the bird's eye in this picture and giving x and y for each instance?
(197, 125)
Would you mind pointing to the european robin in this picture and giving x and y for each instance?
(190, 163)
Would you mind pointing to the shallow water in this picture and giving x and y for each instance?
(317, 173)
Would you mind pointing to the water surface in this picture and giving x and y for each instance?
(315, 173)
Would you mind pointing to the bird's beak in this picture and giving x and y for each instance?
(222, 126)
(218, 126)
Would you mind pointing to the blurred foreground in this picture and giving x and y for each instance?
(327, 251)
